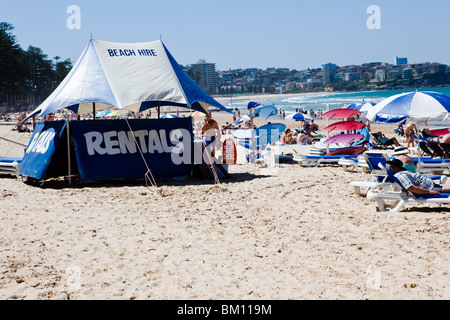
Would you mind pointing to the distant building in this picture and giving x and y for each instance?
(352, 76)
(205, 76)
(328, 72)
(380, 75)
(401, 61)
(407, 73)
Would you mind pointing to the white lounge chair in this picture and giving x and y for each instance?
(402, 197)
(314, 161)
(10, 166)
(377, 178)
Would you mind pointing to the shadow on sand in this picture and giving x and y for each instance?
(62, 183)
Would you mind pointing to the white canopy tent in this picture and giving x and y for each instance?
(132, 76)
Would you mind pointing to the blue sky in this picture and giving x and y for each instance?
(293, 34)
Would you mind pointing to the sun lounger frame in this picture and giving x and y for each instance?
(401, 198)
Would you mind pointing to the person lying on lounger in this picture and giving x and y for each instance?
(445, 138)
(385, 141)
(415, 182)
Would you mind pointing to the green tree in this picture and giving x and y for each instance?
(12, 67)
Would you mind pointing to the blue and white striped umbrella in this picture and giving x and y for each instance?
(242, 119)
(299, 117)
(169, 116)
(354, 106)
(363, 107)
(418, 107)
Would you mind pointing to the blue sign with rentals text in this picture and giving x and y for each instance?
(117, 150)
(41, 149)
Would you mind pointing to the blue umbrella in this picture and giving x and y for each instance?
(299, 117)
(363, 107)
(102, 113)
(265, 112)
(416, 106)
(242, 119)
(354, 106)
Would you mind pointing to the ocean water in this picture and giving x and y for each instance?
(334, 100)
(319, 101)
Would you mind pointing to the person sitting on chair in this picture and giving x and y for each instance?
(400, 131)
(402, 154)
(287, 137)
(415, 182)
(385, 141)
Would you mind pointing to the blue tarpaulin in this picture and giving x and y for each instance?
(111, 149)
(41, 149)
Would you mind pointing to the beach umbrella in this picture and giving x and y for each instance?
(198, 114)
(117, 113)
(363, 107)
(353, 106)
(345, 126)
(265, 112)
(169, 116)
(102, 113)
(366, 107)
(299, 117)
(252, 105)
(242, 119)
(341, 113)
(344, 138)
(417, 106)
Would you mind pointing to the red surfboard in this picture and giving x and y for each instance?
(229, 152)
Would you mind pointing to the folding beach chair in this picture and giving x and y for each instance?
(402, 196)
(377, 143)
(445, 149)
(436, 148)
(425, 148)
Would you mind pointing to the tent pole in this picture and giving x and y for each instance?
(327, 108)
(253, 136)
(418, 169)
(68, 153)
(159, 110)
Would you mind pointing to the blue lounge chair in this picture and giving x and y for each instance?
(402, 196)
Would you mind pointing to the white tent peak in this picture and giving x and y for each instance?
(131, 76)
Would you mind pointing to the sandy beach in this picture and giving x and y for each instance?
(285, 233)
